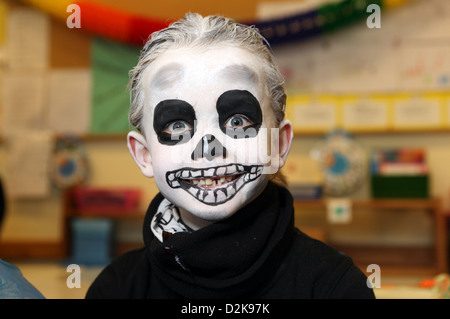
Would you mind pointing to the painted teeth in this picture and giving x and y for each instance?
(212, 182)
(207, 174)
(216, 185)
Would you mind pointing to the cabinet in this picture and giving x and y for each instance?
(391, 259)
(71, 214)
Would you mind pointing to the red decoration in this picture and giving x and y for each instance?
(118, 25)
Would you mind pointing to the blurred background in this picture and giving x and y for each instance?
(368, 86)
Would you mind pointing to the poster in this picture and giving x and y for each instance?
(27, 34)
(23, 95)
(27, 164)
(69, 104)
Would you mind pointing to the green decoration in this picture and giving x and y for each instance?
(111, 64)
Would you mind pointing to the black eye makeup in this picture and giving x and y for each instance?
(174, 121)
(237, 121)
(240, 114)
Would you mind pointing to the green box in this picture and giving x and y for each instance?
(400, 186)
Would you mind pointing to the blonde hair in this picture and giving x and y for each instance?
(196, 30)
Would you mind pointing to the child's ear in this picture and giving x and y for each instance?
(139, 150)
(286, 134)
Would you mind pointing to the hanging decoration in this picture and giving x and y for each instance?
(129, 28)
(319, 21)
(343, 163)
(69, 164)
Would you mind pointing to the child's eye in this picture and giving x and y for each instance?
(177, 127)
(237, 121)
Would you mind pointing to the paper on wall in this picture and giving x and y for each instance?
(417, 112)
(365, 113)
(69, 101)
(320, 116)
(27, 163)
(424, 66)
(356, 66)
(27, 37)
(23, 97)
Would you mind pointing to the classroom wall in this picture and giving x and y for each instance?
(111, 164)
(41, 220)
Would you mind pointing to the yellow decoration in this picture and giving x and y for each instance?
(56, 8)
(390, 4)
(3, 12)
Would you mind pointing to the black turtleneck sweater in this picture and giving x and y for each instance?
(256, 253)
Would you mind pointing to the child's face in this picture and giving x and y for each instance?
(207, 125)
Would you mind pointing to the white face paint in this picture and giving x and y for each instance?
(209, 175)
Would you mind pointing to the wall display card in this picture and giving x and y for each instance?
(69, 101)
(22, 100)
(365, 114)
(311, 115)
(27, 163)
(28, 39)
(417, 113)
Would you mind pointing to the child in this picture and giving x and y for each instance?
(208, 102)
(13, 285)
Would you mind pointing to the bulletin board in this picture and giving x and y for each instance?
(392, 79)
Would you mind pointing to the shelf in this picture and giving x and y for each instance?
(394, 260)
(377, 203)
(132, 215)
(397, 260)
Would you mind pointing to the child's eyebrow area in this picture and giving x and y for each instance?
(239, 72)
(167, 75)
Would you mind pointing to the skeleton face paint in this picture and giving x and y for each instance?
(240, 114)
(205, 108)
(174, 122)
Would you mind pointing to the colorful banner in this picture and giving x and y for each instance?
(129, 28)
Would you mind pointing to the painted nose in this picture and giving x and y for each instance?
(208, 147)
